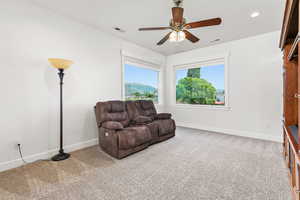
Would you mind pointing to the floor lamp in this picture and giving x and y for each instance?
(61, 65)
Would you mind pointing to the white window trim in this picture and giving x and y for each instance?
(146, 65)
(203, 62)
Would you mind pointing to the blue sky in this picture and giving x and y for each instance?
(213, 74)
(141, 75)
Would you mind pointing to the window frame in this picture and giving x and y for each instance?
(144, 65)
(204, 62)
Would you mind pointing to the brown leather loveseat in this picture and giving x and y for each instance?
(126, 127)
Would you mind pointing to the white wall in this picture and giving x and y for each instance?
(255, 85)
(30, 92)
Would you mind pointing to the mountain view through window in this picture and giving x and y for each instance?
(141, 83)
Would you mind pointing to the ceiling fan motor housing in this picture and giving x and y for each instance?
(177, 26)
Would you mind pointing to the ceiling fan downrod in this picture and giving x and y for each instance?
(178, 3)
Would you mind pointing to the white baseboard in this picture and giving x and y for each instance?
(46, 155)
(248, 134)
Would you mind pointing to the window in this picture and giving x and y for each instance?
(141, 82)
(201, 84)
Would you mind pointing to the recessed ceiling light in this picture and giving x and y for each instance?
(216, 40)
(255, 14)
(119, 29)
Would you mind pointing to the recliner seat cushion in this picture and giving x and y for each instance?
(134, 136)
(112, 125)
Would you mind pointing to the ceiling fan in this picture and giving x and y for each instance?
(179, 26)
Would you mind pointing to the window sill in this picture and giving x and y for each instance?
(212, 107)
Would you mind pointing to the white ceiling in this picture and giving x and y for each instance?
(133, 14)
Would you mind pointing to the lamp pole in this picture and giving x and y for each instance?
(61, 65)
(61, 155)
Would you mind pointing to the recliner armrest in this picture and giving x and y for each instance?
(163, 116)
(141, 120)
(112, 125)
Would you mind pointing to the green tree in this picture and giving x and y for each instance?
(137, 94)
(149, 95)
(194, 73)
(195, 91)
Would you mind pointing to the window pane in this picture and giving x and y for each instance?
(141, 83)
(204, 85)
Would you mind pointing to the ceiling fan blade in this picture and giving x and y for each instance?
(154, 28)
(190, 36)
(164, 39)
(204, 23)
(177, 13)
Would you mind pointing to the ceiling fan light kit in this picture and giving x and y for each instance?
(179, 27)
(177, 36)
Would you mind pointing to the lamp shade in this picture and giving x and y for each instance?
(60, 63)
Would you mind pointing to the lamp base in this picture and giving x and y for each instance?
(61, 156)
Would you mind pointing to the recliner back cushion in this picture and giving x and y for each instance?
(146, 105)
(146, 108)
(132, 110)
(112, 111)
(117, 106)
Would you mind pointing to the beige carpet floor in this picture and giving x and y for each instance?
(195, 165)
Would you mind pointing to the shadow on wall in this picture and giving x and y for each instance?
(90, 124)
